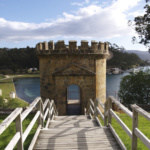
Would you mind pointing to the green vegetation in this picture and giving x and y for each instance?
(134, 88)
(18, 60)
(121, 59)
(21, 59)
(2, 76)
(142, 26)
(7, 86)
(10, 132)
(144, 126)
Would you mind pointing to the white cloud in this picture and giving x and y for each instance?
(91, 21)
(81, 4)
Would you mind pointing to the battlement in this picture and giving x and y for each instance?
(61, 48)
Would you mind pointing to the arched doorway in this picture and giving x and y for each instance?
(73, 100)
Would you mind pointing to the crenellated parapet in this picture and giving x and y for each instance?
(61, 48)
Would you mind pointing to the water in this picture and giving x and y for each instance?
(113, 84)
(29, 88)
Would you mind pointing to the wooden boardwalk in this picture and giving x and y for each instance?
(75, 132)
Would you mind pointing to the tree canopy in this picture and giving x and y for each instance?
(18, 58)
(142, 26)
(135, 88)
(121, 59)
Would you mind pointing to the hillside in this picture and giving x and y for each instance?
(144, 55)
(122, 59)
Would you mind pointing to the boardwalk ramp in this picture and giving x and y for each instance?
(75, 132)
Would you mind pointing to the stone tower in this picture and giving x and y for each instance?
(64, 65)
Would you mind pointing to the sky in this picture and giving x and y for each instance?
(26, 22)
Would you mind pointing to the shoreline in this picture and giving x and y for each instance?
(23, 76)
(7, 85)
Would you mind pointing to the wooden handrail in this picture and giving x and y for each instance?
(135, 131)
(9, 119)
(30, 108)
(122, 107)
(20, 137)
(123, 125)
(109, 113)
(141, 111)
(100, 103)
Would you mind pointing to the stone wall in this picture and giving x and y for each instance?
(62, 65)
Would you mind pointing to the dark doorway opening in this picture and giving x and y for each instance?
(73, 100)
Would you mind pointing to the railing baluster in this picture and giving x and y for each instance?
(105, 113)
(95, 110)
(134, 125)
(19, 129)
(109, 107)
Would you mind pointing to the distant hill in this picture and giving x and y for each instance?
(120, 58)
(144, 55)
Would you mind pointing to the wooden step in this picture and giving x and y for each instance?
(76, 138)
(75, 132)
(75, 117)
(72, 123)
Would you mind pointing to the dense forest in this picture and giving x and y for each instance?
(14, 60)
(122, 59)
(18, 60)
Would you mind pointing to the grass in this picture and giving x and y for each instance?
(144, 126)
(10, 132)
(2, 76)
(7, 86)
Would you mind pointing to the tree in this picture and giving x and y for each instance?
(135, 88)
(142, 26)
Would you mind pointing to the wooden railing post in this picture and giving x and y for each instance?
(105, 113)
(40, 108)
(95, 108)
(19, 129)
(109, 107)
(49, 107)
(134, 125)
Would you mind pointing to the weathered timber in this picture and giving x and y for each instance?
(9, 119)
(117, 137)
(34, 138)
(122, 124)
(75, 132)
(122, 107)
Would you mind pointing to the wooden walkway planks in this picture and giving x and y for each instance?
(75, 132)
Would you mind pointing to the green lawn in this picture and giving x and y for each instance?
(144, 126)
(7, 86)
(10, 132)
(2, 76)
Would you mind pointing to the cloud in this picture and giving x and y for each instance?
(91, 21)
(81, 4)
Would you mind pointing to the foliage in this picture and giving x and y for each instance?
(2, 76)
(2, 104)
(18, 59)
(121, 59)
(135, 88)
(142, 26)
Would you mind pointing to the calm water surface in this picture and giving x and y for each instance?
(29, 88)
